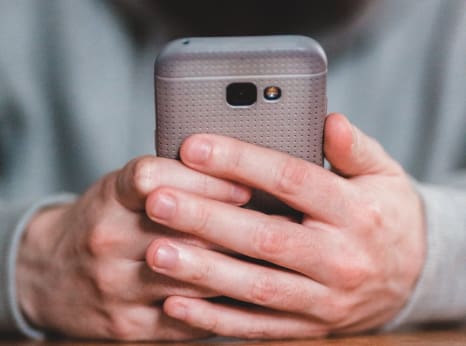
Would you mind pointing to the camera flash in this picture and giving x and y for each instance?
(272, 93)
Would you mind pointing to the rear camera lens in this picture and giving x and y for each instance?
(241, 94)
(272, 93)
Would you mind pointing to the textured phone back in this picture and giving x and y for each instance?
(191, 80)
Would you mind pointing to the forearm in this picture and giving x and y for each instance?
(13, 220)
(439, 294)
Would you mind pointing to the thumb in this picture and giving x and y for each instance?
(353, 153)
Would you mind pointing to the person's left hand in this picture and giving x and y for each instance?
(348, 266)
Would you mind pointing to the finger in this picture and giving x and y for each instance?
(242, 322)
(170, 329)
(300, 184)
(241, 280)
(149, 286)
(248, 232)
(134, 282)
(142, 175)
(143, 323)
(127, 235)
(351, 152)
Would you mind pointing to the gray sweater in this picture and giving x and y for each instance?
(76, 101)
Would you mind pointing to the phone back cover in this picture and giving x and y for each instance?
(191, 77)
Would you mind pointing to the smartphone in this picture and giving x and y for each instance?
(266, 90)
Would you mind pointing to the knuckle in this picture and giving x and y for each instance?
(264, 290)
(369, 216)
(105, 281)
(235, 159)
(353, 273)
(264, 332)
(102, 192)
(145, 174)
(338, 315)
(204, 185)
(119, 327)
(99, 241)
(268, 240)
(210, 324)
(374, 213)
(203, 273)
(290, 176)
(202, 219)
(337, 311)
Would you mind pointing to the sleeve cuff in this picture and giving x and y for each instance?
(12, 309)
(440, 292)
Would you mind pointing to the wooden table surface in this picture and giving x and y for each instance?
(444, 337)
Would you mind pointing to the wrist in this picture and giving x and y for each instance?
(35, 255)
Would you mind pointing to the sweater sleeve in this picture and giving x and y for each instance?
(440, 292)
(13, 222)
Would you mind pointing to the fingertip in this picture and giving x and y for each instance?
(351, 152)
(338, 132)
(162, 255)
(161, 204)
(241, 194)
(151, 252)
(195, 149)
(176, 307)
(338, 139)
(150, 200)
(134, 181)
(185, 145)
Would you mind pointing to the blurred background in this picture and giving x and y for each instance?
(76, 78)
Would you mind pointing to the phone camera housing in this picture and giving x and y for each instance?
(272, 93)
(241, 94)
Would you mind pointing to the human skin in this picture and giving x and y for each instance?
(348, 266)
(81, 269)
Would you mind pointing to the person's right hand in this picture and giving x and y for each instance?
(81, 269)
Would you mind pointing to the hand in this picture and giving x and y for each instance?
(348, 266)
(81, 269)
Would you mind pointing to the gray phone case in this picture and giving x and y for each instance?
(191, 76)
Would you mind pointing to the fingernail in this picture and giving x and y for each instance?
(178, 311)
(164, 206)
(239, 194)
(199, 151)
(165, 257)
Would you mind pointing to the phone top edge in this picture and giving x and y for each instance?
(242, 77)
(240, 55)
